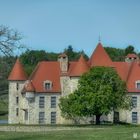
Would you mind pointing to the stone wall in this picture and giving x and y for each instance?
(13, 93)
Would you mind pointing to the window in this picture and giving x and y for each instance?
(17, 111)
(17, 100)
(134, 117)
(47, 85)
(26, 115)
(41, 102)
(134, 102)
(17, 86)
(53, 102)
(53, 117)
(138, 84)
(41, 117)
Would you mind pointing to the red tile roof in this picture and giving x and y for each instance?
(122, 69)
(46, 71)
(17, 73)
(80, 67)
(29, 87)
(129, 72)
(100, 57)
(134, 75)
(132, 55)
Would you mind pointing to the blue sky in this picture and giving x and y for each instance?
(52, 25)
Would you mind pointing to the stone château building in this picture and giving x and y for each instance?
(35, 99)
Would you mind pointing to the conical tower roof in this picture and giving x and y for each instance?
(80, 67)
(100, 57)
(17, 73)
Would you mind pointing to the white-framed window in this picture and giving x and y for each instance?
(138, 84)
(53, 117)
(134, 117)
(41, 101)
(134, 101)
(47, 85)
(53, 101)
(41, 117)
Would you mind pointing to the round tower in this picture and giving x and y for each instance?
(16, 80)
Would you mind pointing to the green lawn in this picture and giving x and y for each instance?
(101, 133)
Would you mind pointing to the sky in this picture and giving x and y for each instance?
(53, 25)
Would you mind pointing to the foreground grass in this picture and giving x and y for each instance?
(95, 133)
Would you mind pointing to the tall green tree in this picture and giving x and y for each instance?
(99, 92)
(30, 58)
(129, 49)
(74, 55)
(115, 54)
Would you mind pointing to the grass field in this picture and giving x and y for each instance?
(95, 133)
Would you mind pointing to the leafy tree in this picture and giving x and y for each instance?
(73, 55)
(115, 54)
(9, 40)
(52, 56)
(129, 49)
(99, 92)
(30, 58)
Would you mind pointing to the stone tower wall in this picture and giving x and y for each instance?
(13, 118)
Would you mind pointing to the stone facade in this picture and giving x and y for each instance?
(40, 104)
(31, 105)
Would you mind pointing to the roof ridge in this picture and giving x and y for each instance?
(130, 70)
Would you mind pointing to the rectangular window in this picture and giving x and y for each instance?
(17, 86)
(17, 100)
(41, 117)
(26, 115)
(53, 117)
(48, 86)
(134, 117)
(17, 111)
(41, 102)
(53, 102)
(138, 85)
(134, 102)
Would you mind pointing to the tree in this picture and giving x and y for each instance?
(129, 49)
(9, 40)
(74, 55)
(115, 54)
(30, 58)
(99, 92)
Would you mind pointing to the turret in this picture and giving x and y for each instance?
(63, 59)
(16, 80)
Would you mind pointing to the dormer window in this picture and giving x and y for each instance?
(138, 84)
(48, 85)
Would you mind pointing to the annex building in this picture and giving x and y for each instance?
(35, 99)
